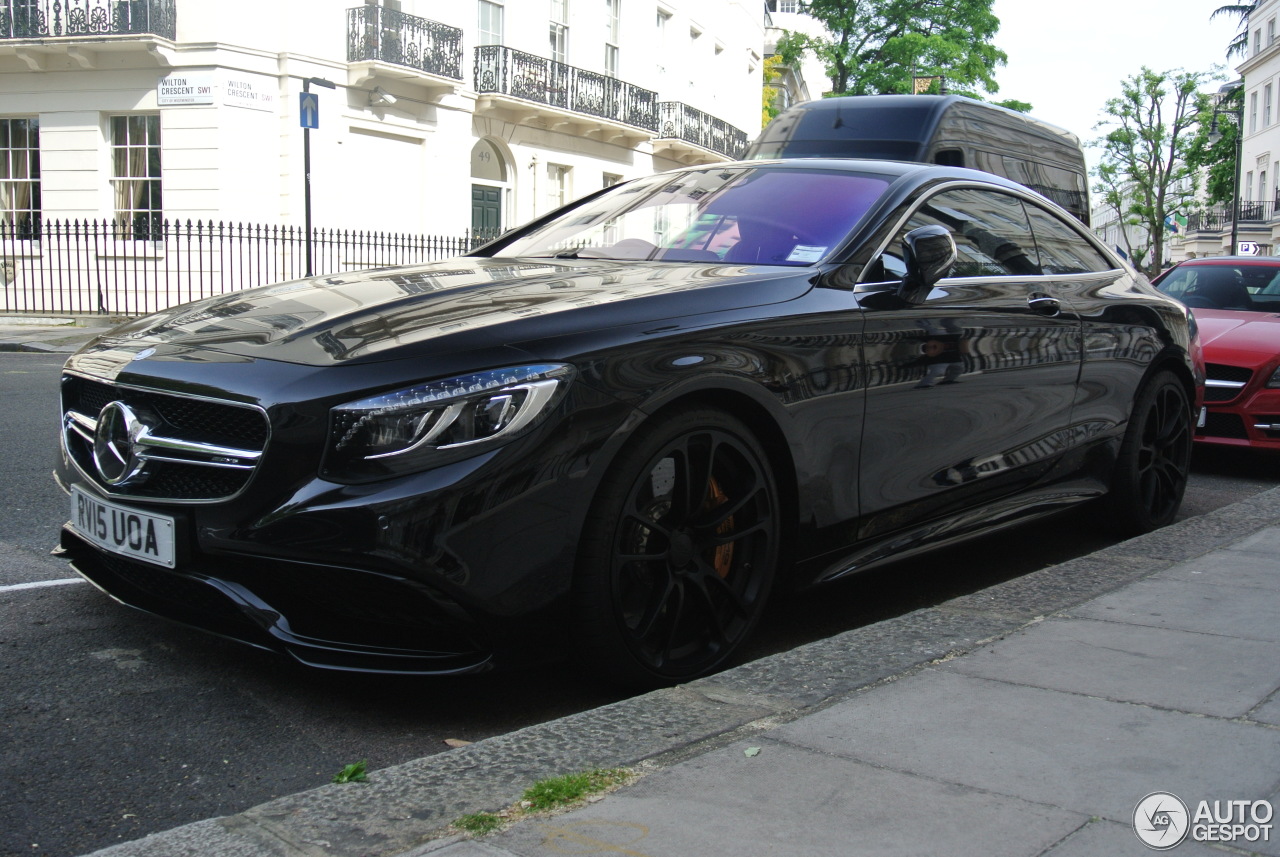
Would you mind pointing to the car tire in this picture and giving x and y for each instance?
(1151, 470)
(679, 551)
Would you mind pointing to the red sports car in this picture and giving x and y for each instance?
(1236, 302)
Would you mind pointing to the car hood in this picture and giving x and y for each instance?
(458, 304)
(1239, 338)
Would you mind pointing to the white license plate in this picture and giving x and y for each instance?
(122, 530)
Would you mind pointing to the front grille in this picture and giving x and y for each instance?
(1233, 379)
(217, 444)
(1223, 372)
(1224, 425)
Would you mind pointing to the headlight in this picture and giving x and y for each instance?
(427, 424)
(1274, 380)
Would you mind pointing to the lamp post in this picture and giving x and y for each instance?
(306, 163)
(1225, 92)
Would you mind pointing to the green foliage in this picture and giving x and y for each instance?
(479, 823)
(1239, 43)
(559, 791)
(354, 773)
(547, 795)
(1218, 159)
(1146, 170)
(876, 47)
(769, 97)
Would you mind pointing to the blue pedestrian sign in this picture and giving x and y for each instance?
(308, 110)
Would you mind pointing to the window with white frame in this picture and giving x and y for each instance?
(663, 20)
(612, 17)
(19, 178)
(560, 31)
(1271, 31)
(1266, 106)
(611, 179)
(1257, 42)
(490, 23)
(1262, 185)
(135, 174)
(557, 185)
(1253, 112)
(1248, 181)
(789, 6)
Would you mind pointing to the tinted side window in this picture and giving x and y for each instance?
(990, 229)
(1063, 250)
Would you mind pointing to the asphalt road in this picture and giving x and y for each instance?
(114, 724)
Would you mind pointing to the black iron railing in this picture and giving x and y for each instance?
(1218, 218)
(379, 33)
(44, 19)
(532, 78)
(113, 268)
(679, 121)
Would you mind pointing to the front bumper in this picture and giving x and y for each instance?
(1252, 420)
(321, 615)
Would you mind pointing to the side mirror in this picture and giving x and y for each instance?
(929, 253)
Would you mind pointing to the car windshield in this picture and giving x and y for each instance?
(740, 215)
(1243, 287)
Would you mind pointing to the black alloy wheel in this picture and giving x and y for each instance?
(1155, 458)
(679, 553)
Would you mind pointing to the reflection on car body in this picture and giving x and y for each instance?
(598, 430)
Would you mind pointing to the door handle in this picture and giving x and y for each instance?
(1044, 305)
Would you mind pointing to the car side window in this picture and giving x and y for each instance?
(993, 238)
(1062, 249)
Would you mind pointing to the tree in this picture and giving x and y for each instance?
(1145, 172)
(1218, 159)
(1240, 42)
(877, 47)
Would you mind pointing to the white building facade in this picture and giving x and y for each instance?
(426, 117)
(1257, 221)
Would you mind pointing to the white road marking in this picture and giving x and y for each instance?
(41, 583)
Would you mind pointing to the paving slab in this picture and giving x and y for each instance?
(789, 800)
(1182, 670)
(1207, 607)
(1083, 754)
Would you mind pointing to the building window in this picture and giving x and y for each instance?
(1262, 185)
(560, 31)
(1257, 42)
(557, 185)
(791, 7)
(1248, 181)
(490, 22)
(1253, 112)
(19, 178)
(1266, 106)
(612, 13)
(611, 179)
(135, 174)
(1271, 31)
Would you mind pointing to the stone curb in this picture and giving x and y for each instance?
(406, 806)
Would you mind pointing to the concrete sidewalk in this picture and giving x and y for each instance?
(1030, 718)
(1026, 719)
(51, 334)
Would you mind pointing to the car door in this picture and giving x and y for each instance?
(970, 390)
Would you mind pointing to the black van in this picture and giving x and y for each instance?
(935, 129)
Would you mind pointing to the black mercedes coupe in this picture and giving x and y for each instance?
(626, 424)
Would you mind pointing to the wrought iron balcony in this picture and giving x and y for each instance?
(508, 72)
(45, 19)
(376, 33)
(681, 122)
(1218, 218)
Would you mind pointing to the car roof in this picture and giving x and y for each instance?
(891, 170)
(1268, 261)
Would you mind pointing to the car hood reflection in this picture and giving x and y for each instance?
(371, 314)
(1241, 332)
